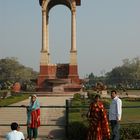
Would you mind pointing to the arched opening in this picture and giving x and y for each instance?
(59, 34)
(53, 3)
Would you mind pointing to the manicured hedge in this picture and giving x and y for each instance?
(130, 132)
(78, 131)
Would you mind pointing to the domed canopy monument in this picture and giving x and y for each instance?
(58, 77)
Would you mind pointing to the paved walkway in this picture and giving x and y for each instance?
(48, 116)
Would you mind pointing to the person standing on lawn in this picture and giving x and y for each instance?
(115, 114)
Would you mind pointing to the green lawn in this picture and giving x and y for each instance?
(13, 99)
(129, 114)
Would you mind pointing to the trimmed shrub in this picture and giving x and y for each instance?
(91, 95)
(77, 131)
(3, 95)
(130, 132)
(106, 103)
(77, 96)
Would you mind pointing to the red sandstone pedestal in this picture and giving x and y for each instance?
(58, 78)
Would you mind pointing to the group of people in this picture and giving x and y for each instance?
(97, 116)
(98, 119)
(33, 122)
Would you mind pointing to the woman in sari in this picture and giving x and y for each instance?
(33, 118)
(98, 122)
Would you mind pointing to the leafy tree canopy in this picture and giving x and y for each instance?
(127, 75)
(12, 70)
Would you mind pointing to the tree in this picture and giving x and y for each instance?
(127, 75)
(11, 70)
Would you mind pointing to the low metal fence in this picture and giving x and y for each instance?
(50, 115)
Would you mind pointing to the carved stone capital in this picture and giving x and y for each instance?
(44, 5)
(73, 8)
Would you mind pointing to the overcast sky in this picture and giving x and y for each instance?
(108, 31)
